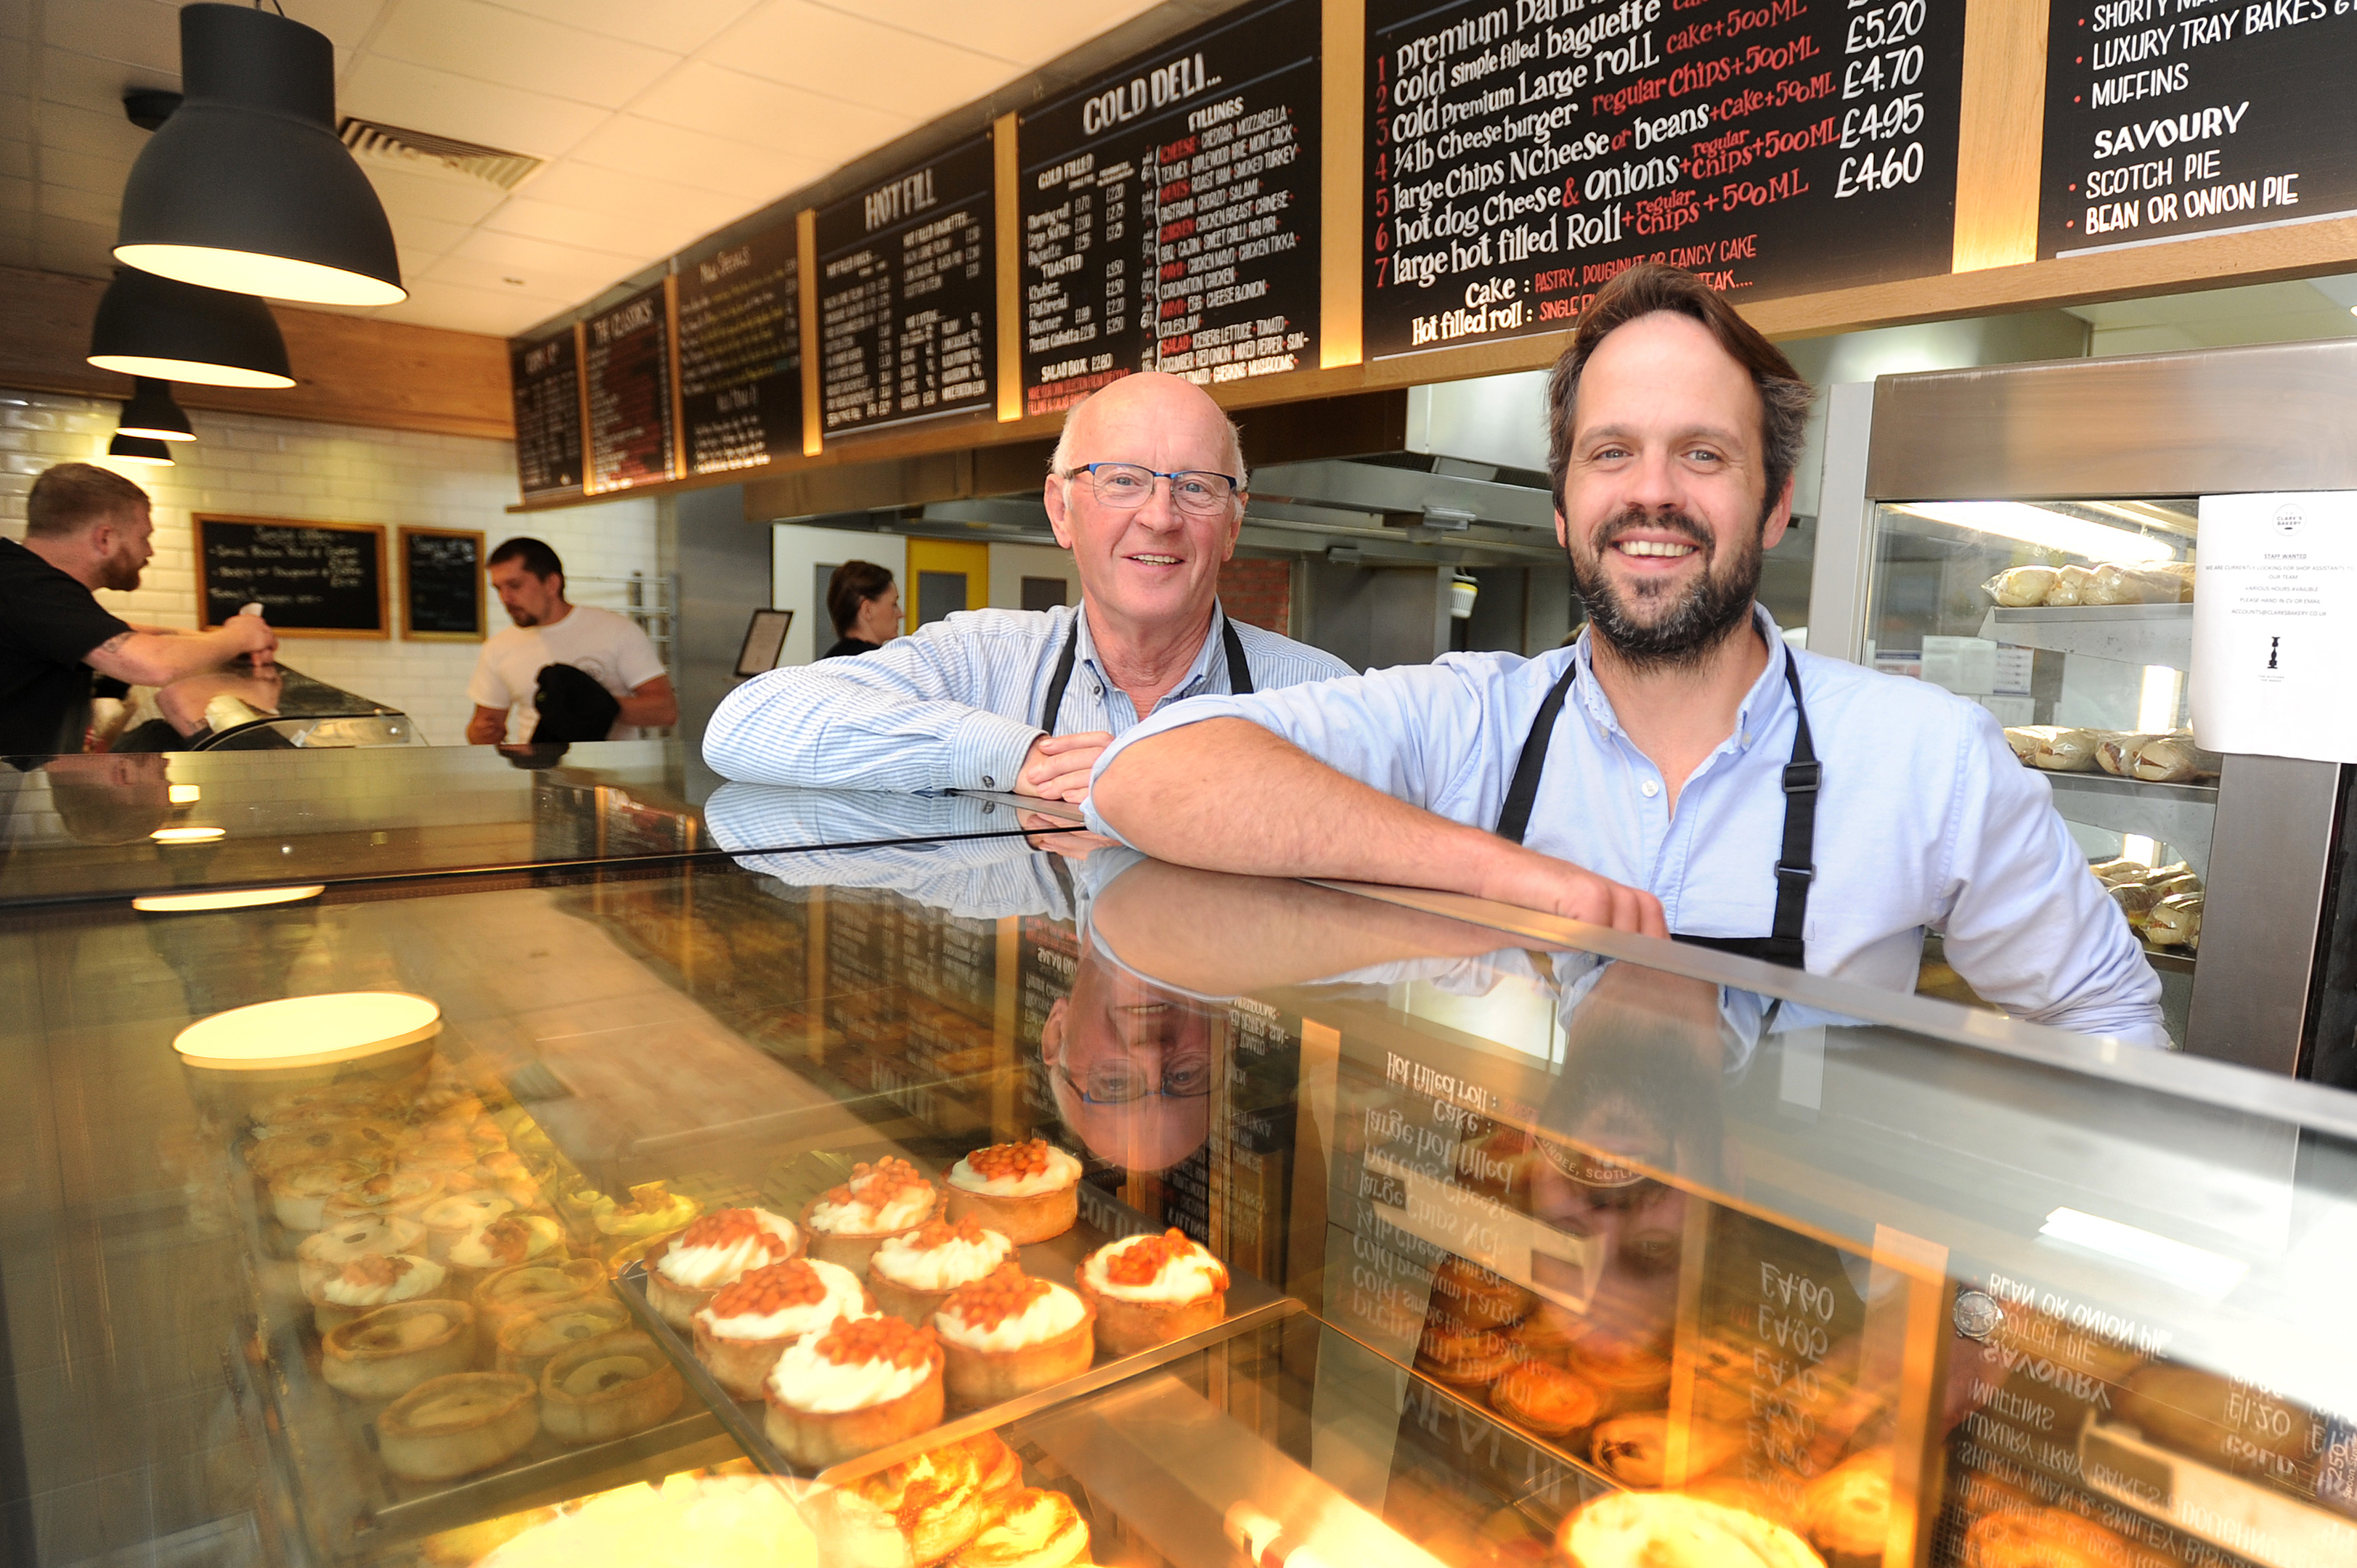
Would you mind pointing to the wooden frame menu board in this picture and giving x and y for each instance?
(739, 354)
(626, 394)
(442, 584)
(312, 579)
(547, 380)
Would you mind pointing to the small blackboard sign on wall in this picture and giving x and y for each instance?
(441, 585)
(312, 579)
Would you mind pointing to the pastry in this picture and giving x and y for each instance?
(1007, 1333)
(750, 1322)
(322, 1103)
(911, 1274)
(1477, 1298)
(513, 1180)
(370, 1142)
(298, 1196)
(450, 1219)
(1543, 1399)
(1467, 1357)
(509, 1240)
(528, 1339)
(326, 1252)
(1847, 1509)
(887, 1198)
(627, 1230)
(607, 1387)
(937, 1498)
(531, 1288)
(1027, 1527)
(851, 1388)
(999, 1466)
(703, 1520)
(384, 1353)
(1629, 1377)
(1634, 1450)
(1027, 1192)
(373, 1280)
(1629, 1530)
(713, 1251)
(1546, 1334)
(2040, 1538)
(1147, 1290)
(388, 1195)
(457, 1425)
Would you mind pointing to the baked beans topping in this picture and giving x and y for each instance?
(1142, 1262)
(730, 1228)
(1002, 1161)
(935, 1233)
(877, 1185)
(375, 1269)
(1005, 1292)
(773, 1287)
(854, 1340)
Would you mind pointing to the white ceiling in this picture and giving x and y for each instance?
(660, 120)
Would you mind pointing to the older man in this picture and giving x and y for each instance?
(1679, 769)
(1147, 492)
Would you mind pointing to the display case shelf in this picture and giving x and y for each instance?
(2180, 815)
(2126, 634)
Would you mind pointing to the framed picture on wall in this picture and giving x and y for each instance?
(442, 584)
(311, 579)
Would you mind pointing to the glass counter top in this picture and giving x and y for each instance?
(1540, 1244)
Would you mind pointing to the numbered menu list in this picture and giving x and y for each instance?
(1169, 214)
(546, 379)
(1519, 158)
(740, 359)
(906, 294)
(2170, 118)
(628, 370)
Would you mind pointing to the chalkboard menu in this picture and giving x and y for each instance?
(546, 380)
(741, 357)
(441, 585)
(311, 579)
(628, 371)
(1170, 212)
(1519, 159)
(2165, 120)
(907, 295)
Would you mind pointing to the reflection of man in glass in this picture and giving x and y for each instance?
(1130, 1066)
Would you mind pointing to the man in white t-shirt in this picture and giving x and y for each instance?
(608, 648)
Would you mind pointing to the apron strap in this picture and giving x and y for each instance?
(1052, 708)
(1516, 820)
(1797, 868)
(1240, 682)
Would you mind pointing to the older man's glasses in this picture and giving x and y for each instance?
(1124, 486)
(1122, 1083)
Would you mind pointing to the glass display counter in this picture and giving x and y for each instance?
(1537, 1245)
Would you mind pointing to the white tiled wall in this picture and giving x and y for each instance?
(253, 465)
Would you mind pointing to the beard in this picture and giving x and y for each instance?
(523, 616)
(120, 571)
(1659, 626)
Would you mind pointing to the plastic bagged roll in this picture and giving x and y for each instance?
(2018, 587)
(2113, 873)
(2024, 739)
(2114, 747)
(2170, 886)
(2136, 901)
(2070, 586)
(2183, 570)
(2065, 750)
(2175, 921)
(2113, 583)
(2171, 758)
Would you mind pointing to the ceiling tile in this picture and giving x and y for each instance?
(17, 195)
(63, 244)
(846, 57)
(83, 206)
(679, 25)
(1028, 32)
(16, 117)
(657, 151)
(16, 19)
(539, 262)
(648, 235)
(427, 236)
(80, 171)
(345, 21)
(97, 85)
(444, 197)
(396, 93)
(490, 43)
(569, 182)
(460, 309)
(136, 32)
(76, 130)
(702, 97)
(15, 160)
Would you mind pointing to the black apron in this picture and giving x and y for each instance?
(1240, 682)
(1794, 871)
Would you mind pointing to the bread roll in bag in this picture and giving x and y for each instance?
(2175, 921)
(2070, 585)
(2019, 587)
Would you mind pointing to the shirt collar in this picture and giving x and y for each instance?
(1196, 673)
(1763, 698)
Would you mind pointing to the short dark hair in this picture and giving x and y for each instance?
(1643, 290)
(538, 558)
(854, 583)
(70, 496)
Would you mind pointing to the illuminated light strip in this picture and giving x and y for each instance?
(2206, 1275)
(242, 898)
(2050, 530)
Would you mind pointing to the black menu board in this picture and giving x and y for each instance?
(441, 585)
(1519, 159)
(1170, 212)
(2170, 118)
(628, 369)
(740, 354)
(907, 295)
(311, 579)
(547, 381)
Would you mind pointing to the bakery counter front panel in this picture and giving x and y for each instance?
(1013, 1200)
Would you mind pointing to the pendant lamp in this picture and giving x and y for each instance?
(246, 187)
(150, 326)
(152, 412)
(140, 449)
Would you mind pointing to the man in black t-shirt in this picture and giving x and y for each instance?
(87, 528)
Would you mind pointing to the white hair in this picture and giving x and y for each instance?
(1061, 465)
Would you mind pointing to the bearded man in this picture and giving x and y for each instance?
(1679, 770)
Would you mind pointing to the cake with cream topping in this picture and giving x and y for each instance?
(912, 1274)
(684, 1274)
(370, 1281)
(847, 1223)
(851, 1388)
(327, 1251)
(452, 1220)
(509, 1240)
(1147, 1290)
(1007, 1333)
(1027, 1192)
(750, 1322)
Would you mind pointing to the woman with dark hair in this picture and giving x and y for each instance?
(864, 605)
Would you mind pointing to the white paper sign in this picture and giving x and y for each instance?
(2275, 624)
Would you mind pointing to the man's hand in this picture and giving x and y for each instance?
(1055, 835)
(1541, 882)
(1057, 767)
(250, 634)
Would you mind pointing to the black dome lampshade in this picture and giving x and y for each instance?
(152, 412)
(150, 326)
(139, 449)
(246, 186)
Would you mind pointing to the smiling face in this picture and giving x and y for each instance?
(1665, 514)
(1128, 1066)
(1156, 565)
